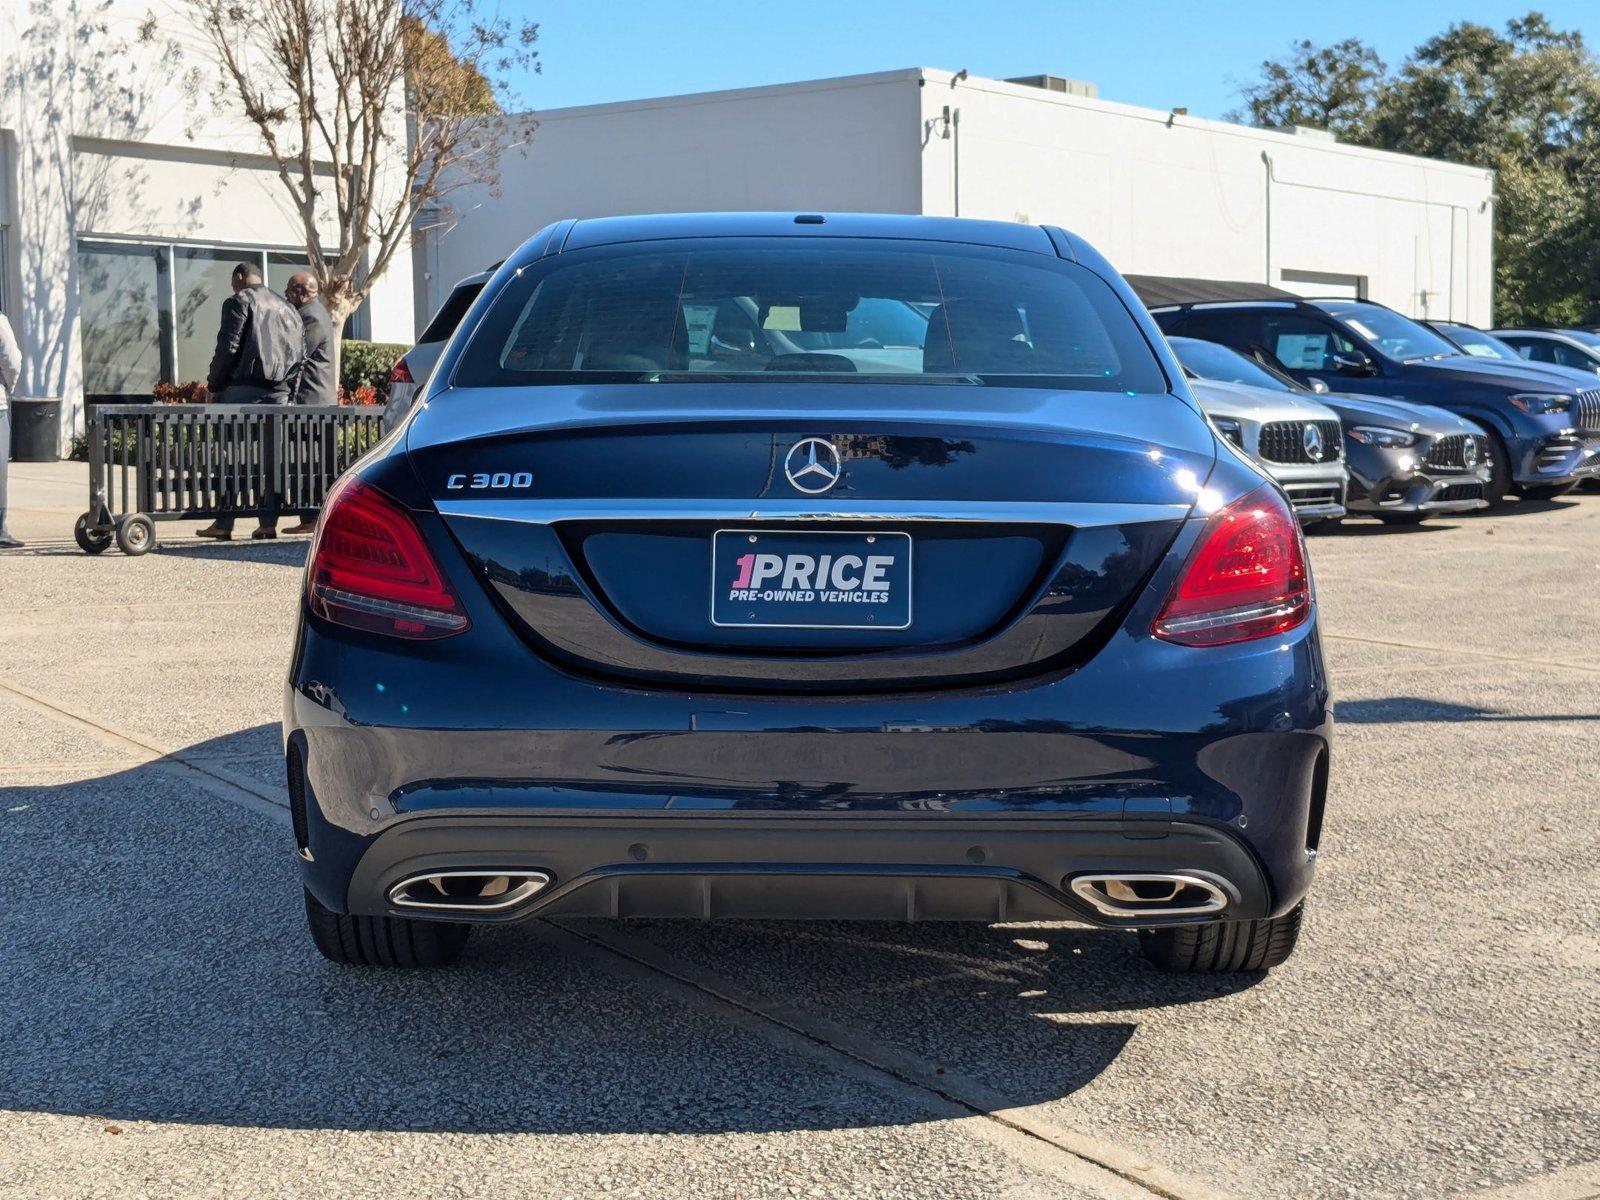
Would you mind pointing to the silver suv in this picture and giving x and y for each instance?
(1299, 442)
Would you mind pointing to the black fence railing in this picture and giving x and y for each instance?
(152, 462)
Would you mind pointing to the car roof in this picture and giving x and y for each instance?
(1007, 235)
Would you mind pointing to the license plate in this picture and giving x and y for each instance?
(764, 579)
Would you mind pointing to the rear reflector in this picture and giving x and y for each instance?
(400, 372)
(371, 570)
(1246, 578)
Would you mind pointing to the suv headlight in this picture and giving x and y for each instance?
(1229, 428)
(1388, 439)
(1541, 402)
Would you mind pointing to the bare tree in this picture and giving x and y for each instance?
(370, 110)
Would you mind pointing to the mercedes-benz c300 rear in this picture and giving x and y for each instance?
(776, 566)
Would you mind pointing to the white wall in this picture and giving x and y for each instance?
(112, 133)
(1158, 194)
(841, 145)
(1172, 195)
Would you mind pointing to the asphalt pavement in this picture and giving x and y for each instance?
(166, 1027)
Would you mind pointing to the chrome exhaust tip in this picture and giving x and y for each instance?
(1161, 895)
(468, 891)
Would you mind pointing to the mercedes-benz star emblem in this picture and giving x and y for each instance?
(1469, 452)
(812, 465)
(1311, 439)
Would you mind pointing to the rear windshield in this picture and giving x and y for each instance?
(820, 309)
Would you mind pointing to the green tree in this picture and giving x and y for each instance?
(1525, 102)
(1328, 87)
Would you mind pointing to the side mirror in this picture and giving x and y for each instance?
(1355, 362)
(1317, 386)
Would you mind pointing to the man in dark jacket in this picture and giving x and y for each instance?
(316, 383)
(259, 351)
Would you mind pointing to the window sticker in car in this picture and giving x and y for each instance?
(699, 319)
(1303, 350)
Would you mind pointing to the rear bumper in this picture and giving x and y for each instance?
(809, 867)
(456, 755)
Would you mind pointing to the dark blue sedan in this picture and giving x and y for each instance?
(803, 566)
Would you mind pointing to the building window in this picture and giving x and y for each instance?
(201, 281)
(121, 310)
(149, 312)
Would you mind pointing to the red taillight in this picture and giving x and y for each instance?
(370, 569)
(1245, 579)
(400, 372)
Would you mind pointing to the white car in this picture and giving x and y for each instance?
(1562, 347)
(412, 369)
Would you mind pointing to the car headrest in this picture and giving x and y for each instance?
(976, 335)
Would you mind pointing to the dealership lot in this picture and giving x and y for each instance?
(167, 1026)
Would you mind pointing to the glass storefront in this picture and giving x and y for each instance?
(149, 312)
(201, 281)
(120, 290)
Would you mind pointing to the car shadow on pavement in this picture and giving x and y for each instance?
(1394, 710)
(158, 968)
(289, 552)
(1353, 528)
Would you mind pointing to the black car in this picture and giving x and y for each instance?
(1544, 435)
(804, 566)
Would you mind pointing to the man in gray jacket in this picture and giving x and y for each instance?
(10, 372)
(316, 383)
(259, 351)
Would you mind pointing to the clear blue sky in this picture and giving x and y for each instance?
(1158, 53)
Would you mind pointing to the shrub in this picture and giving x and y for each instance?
(363, 397)
(192, 392)
(367, 364)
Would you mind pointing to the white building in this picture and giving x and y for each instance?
(126, 198)
(1159, 193)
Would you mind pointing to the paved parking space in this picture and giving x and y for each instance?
(168, 1028)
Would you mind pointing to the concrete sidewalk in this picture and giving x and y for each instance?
(46, 499)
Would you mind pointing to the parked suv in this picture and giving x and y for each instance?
(622, 626)
(1543, 437)
(1405, 461)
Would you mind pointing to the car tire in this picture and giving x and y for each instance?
(1223, 945)
(1499, 481)
(1547, 491)
(357, 941)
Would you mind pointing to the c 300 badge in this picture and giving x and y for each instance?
(485, 480)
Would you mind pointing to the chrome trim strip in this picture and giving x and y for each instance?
(1082, 515)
